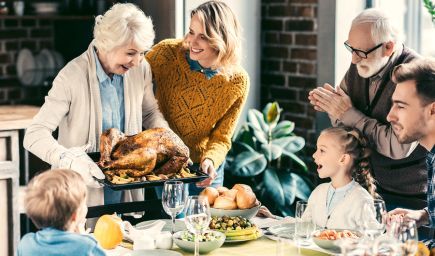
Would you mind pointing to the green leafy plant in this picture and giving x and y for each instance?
(430, 6)
(264, 156)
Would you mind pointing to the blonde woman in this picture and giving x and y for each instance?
(108, 86)
(201, 87)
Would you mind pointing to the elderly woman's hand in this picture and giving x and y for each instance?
(207, 167)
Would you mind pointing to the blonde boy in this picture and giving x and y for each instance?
(55, 200)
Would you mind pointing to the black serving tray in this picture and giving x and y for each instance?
(95, 156)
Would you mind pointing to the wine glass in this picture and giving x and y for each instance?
(197, 217)
(304, 225)
(173, 199)
(373, 218)
(408, 236)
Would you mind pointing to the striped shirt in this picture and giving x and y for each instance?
(430, 162)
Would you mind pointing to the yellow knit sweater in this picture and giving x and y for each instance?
(202, 112)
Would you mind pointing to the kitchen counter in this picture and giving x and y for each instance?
(15, 117)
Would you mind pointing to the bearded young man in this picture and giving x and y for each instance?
(363, 100)
(413, 119)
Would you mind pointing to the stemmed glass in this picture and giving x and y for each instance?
(197, 217)
(374, 218)
(408, 235)
(173, 199)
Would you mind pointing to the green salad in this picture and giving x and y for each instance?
(206, 237)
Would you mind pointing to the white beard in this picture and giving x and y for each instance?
(367, 68)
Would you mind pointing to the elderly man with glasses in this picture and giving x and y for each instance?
(363, 100)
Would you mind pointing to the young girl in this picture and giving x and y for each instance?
(342, 156)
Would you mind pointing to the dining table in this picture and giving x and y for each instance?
(264, 246)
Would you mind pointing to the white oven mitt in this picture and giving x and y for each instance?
(76, 159)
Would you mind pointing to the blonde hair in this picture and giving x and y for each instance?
(382, 27)
(223, 32)
(53, 196)
(123, 24)
(354, 144)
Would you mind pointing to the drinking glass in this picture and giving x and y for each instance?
(173, 199)
(408, 236)
(304, 225)
(373, 218)
(197, 217)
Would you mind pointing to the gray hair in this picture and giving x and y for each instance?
(123, 24)
(382, 30)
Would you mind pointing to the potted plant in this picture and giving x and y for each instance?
(430, 6)
(264, 155)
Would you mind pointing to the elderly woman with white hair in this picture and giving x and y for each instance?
(108, 86)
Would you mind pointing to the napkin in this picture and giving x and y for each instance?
(144, 238)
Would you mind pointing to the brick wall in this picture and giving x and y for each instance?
(288, 62)
(15, 34)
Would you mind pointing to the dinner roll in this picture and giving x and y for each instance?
(224, 202)
(211, 193)
(245, 198)
(230, 193)
(242, 187)
(222, 190)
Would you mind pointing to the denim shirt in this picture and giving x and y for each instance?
(112, 98)
(51, 242)
(430, 164)
(195, 66)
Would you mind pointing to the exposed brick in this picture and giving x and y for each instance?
(299, 25)
(41, 33)
(289, 66)
(2, 95)
(304, 1)
(306, 39)
(304, 54)
(45, 23)
(307, 68)
(301, 82)
(11, 70)
(273, 1)
(11, 23)
(270, 65)
(4, 58)
(28, 23)
(275, 52)
(271, 38)
(283, 93)
(277, 11)
(271, 25)
(303, 94)
(12, 33)
(14, 94)
(272, 79)
(45, 44)
(301, 122)
(285, 38)
(29, 44)
(294, 106)
(11, 46)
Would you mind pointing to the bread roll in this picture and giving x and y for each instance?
(224, 202)
(211, 193)
(242, 187)
(230, 193)
(245, 198)
(222, 190)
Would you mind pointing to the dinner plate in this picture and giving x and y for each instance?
(285, 230)
(49, 64)
(38, 71)
(60, 62)
(25, 66)
(156, 252)
(179, 225)
(244, 240)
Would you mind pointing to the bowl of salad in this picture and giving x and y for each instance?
(209, 241)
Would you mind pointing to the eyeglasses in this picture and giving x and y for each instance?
(361, 53)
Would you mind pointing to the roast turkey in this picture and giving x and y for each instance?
(155, 150)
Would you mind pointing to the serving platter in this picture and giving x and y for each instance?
(95, 156)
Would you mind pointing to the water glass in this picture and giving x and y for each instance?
(373, 218)
(408, 236)
(173, 199)
(304, 225)
(197, 217)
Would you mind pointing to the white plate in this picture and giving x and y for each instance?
(49, 63)
(156, 252)
(38, 71)
(179, 225)
(285, 230)
(25, 66)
